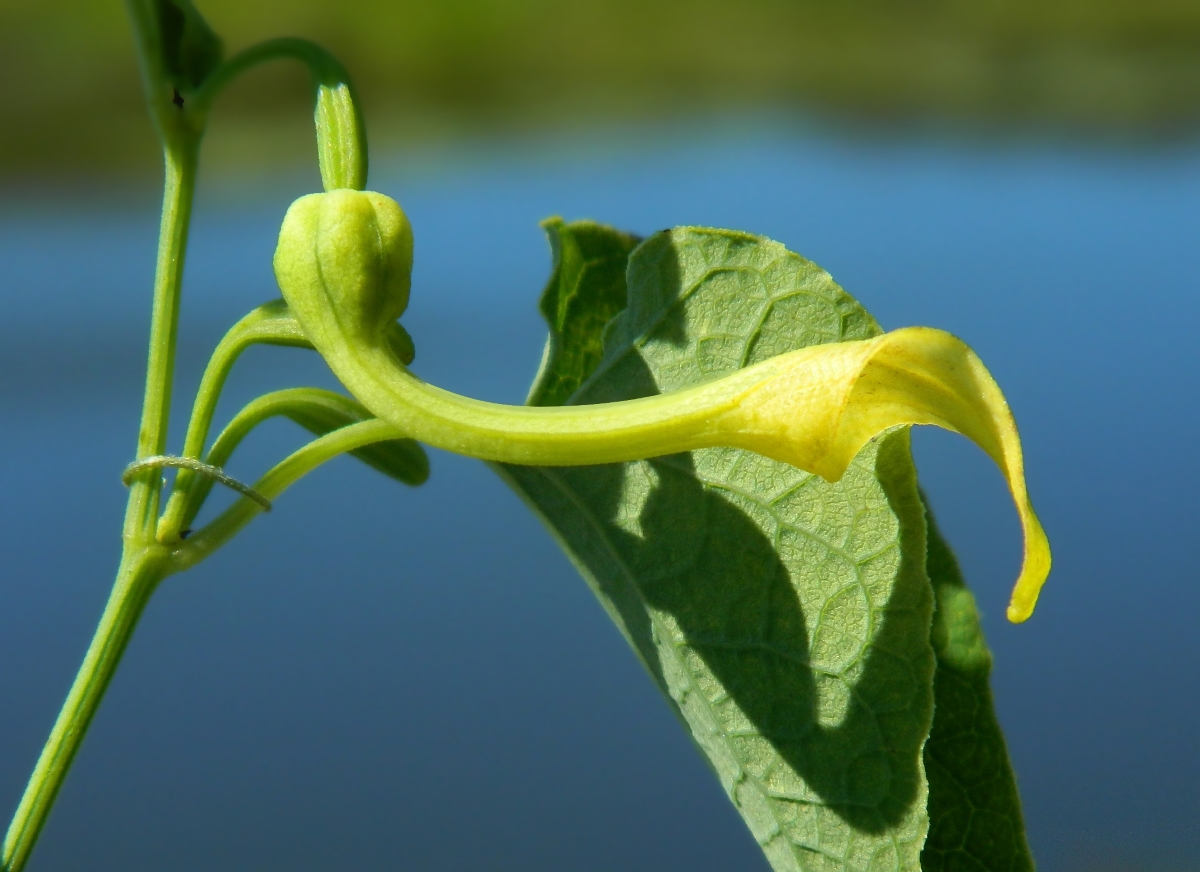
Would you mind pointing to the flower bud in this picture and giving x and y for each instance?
(348, 252)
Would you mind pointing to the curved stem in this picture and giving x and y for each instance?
(324, 67)
(140, 572)
(341, 129)
(269, 324)
(278, 479)
(290, 403)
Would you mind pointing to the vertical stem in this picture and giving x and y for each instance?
(181, 157)
(144, 563)
(140, 572)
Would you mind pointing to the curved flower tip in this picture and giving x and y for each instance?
(815, 408)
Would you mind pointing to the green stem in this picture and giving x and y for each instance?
(140, 572)
(324, 67)
(144, 563)
(181, 158)
(341, 129)
(288, 403)
(269, 324)
(294, 403)
(278, 479)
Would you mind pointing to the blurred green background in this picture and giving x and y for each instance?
(435, 70)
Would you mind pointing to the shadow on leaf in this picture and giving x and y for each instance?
(713, 581)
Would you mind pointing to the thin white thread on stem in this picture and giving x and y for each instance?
(199, 466)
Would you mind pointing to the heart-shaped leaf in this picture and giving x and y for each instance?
(785, 618)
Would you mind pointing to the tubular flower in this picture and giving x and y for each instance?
(343, 264)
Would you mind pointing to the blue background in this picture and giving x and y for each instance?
(374, 677)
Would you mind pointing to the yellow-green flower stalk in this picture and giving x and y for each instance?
(344, 263)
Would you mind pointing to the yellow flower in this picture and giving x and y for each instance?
(813, 408)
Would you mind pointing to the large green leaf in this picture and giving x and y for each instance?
(975, 822)
(785, 618)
